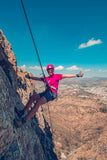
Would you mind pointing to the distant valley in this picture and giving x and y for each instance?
(79, 119)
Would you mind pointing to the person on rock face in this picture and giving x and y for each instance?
(49, 94)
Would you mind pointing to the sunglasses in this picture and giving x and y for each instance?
(50, 70)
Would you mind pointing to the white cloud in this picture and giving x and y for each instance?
(73, 68)
(36, 67)
(105, 71)
(23, 67)
(44, 68)
(87, 70)
(100, 70)
(59, 68)
(90, 43)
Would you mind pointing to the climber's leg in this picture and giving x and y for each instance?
(31, 100)
(40, 102)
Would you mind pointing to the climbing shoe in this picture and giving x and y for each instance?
(19, 113)
(19, 123)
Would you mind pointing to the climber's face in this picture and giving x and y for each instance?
(50, 72)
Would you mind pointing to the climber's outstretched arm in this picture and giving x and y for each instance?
(72, 75)
(33, 78)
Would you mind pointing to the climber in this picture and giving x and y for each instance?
(49, 94)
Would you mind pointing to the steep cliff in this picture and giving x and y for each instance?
(28, 142)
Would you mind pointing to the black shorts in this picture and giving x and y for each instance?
(49, 95)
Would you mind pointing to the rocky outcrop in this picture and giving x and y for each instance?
(28, 142)
(25, 87)
(7, 60)
(15, 75)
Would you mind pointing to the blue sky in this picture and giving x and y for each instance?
(70, 34)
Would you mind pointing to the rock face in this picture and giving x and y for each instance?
(28, 142)
(25, 87)
(7, 60)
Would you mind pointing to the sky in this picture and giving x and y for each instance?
(70, 34)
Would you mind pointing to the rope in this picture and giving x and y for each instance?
(50, 118)
(37, 55)
(32, 38)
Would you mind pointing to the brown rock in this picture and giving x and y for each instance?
(7, 60)
(7, 52)
(25, 87)
(28, 142)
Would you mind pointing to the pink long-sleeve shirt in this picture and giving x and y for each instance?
(53, 81)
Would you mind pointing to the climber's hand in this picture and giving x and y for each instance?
(80, 74)
(27, 76)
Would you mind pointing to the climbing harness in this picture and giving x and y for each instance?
(52, 87)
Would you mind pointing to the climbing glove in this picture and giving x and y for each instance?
(79, 74)
(27, 76)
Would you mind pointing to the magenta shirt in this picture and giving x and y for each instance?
(53, 81)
